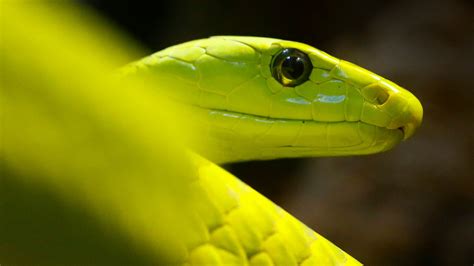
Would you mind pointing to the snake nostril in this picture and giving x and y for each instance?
(376, 93)
(382, 97)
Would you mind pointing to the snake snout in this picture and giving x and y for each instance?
(411, 118)
(404, 108)
(390, 106)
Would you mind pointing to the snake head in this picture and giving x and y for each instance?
(263, 98)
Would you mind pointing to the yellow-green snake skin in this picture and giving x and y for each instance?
(261, 98)
(123, 170)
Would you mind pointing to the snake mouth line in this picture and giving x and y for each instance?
(299, 138)
(235, 114)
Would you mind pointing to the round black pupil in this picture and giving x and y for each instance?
(292, 67)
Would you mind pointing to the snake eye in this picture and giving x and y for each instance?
(291, 67)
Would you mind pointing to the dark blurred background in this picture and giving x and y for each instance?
(410, 206)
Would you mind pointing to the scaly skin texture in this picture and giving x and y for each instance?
(238, 226)
(94, 171)
(246, 114)
(342, 109)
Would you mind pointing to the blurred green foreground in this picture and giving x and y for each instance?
(90, 168)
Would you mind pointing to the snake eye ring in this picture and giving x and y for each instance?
(291, 67)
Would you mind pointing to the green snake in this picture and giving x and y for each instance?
(266, 98)
(243, 98)
(261, 98)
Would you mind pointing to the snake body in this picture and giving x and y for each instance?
(262, 98)
(92, 173)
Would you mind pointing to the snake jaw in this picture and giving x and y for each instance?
(243, 137)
